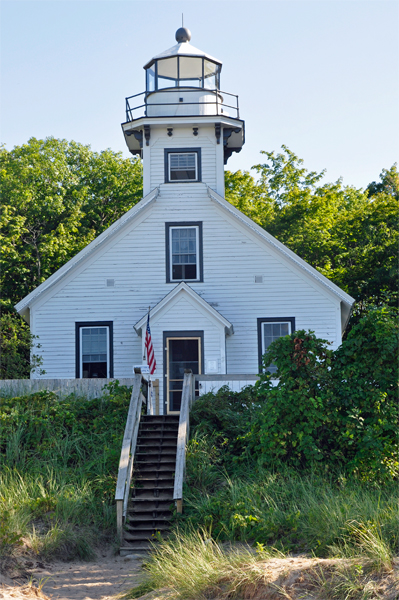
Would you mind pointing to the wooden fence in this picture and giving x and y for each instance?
(89, 388)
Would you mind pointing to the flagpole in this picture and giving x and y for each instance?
(149, 399)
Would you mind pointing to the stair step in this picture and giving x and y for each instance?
(161, 516)
(144, 536)
(142, 516)
(140, 547)
(148, 477)
(165, 427)
(167, 484)
(158, 420)
(153, 463)
(144, 527)
(152, 453)
(152, 439)
(153, 469)
(149, 495)
(149, 508)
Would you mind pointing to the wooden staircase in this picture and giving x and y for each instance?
(151, 469)
(151, 502)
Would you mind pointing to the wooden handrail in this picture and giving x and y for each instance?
(127, 453)
(182, 439)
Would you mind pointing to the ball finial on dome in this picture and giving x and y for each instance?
(183, 35)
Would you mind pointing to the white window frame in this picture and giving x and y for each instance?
(81, 346)
(197, 252)
(170, 154)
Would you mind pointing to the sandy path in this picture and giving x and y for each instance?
(101, 579)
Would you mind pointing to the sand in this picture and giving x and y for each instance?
(101, 579)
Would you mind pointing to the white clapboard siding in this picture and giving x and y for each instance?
(135, 259)
(183, 137)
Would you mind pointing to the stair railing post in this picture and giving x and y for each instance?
(127, 453)
(182, 438)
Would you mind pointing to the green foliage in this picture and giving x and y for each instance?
(349, 235)
(293, 421)
(365, 394)
(338, 408)
(57, 196)
(294, 511)
(58, 464)
(18, 358)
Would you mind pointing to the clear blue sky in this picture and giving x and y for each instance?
(320, 76)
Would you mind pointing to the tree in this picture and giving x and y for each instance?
(348, 234)
(19, 348)
(57, 197)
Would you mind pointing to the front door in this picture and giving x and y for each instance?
(181, 353)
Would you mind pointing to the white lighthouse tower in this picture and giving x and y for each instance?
(183, 126)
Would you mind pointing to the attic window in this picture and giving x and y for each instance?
(182, 165)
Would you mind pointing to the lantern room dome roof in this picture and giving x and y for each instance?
(182, 49)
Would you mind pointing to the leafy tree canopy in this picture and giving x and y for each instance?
(57, 196)
(348, 234)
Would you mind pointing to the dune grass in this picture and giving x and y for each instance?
(192, 565)
(58, 469)
(296, 511)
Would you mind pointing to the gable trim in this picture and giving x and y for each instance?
(179, 289)
(88, 250)
(280, 247)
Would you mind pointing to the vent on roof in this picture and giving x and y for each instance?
(110, 282)
(258, 278)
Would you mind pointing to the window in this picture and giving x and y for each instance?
(183, 252)
(182, 71)
(270, 329)
(182, 165)
(94, 349)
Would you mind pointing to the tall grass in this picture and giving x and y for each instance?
(193, 565)
(301, 512)
(58, 469)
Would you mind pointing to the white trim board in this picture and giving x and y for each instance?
(180, 289)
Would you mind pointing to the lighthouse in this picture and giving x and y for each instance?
(183, 126)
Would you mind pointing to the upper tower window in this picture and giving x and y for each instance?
(182, 71)
(182, 165)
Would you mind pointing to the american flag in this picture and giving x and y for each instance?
(151, 362)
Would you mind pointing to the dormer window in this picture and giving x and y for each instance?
(182, 165)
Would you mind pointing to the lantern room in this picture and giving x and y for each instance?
(182, 66)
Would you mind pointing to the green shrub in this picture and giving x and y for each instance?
(338, 408)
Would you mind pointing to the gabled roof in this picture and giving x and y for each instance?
(183, 289)
(23, 305)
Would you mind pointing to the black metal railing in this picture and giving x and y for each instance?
(220, 107)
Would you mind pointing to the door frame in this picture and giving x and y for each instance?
(177, 334)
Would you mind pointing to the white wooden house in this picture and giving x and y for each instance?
(219, 286)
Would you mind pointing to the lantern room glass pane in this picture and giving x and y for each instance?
(167, 73)
(167, 67)
(190, 71)
(151, 79)
(211, 75)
